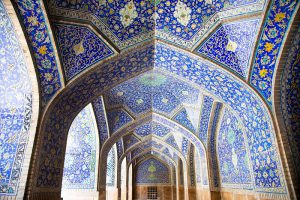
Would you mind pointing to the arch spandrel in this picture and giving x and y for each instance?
(205, 75)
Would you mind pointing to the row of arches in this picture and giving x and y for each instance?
(243, 142)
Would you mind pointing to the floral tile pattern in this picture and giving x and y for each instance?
(127, 23)
(183, 118)
(152, 128)
(80, 157)
(152, 171)
(232, 44)
(152, 90)
(233, 159)
(33, 18)
(270, 44)
(15, 105)
(204, 118)
(116, 119)
(79, 48)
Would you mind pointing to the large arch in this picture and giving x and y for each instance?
(19, 105)
(171, 60)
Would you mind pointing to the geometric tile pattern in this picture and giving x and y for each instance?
(204, 119)
(232, 44)
(117, 119)
(80, 157)
(129, 22)
(290, 99)
(15, 105)
(79, 48)
(33, 18)
(233, 159)
(152, 171)
(100, 116)
(270, 44)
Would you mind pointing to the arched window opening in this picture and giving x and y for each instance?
(19, 99)
(123, 179)
(80, 167)
(111, 172)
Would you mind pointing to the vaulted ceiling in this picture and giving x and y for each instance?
(161, 74)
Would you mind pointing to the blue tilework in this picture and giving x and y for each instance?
(152, 91)
(233, 159)
(183, 119)
(111, 167)
(100, 116)
(171, 141)
(204, 119)
(80, 157)
(128, 141)
(167, 152)
(185, 146)
(232, 44)
(198, 169)
(152, 144)
(247, 105)
(79, 48)
(15, 106)
(130, 22)
(152, 171)
(136, 152)
(152, 128)
(120, 148)
(33, 18)
(117, 119)
(270, 44)
(192, 167)
(212, 145)
(290, 99)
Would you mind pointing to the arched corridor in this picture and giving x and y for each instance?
(149, 100)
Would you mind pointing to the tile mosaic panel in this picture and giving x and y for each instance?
(231, 45)
(183, 118)
(192, 167)
(130, 22)
(15, 105)
(152, 91)
(129, 140)
(117, 119)
(33, 18)
(212, 146)
(120, 148)
(152, 171)
(171, 141)
(80, 157)
(205, 117)
(290, 99)
(79, 48)
(233, 159)
(270, 44)
(100, 115)
(152, 128)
